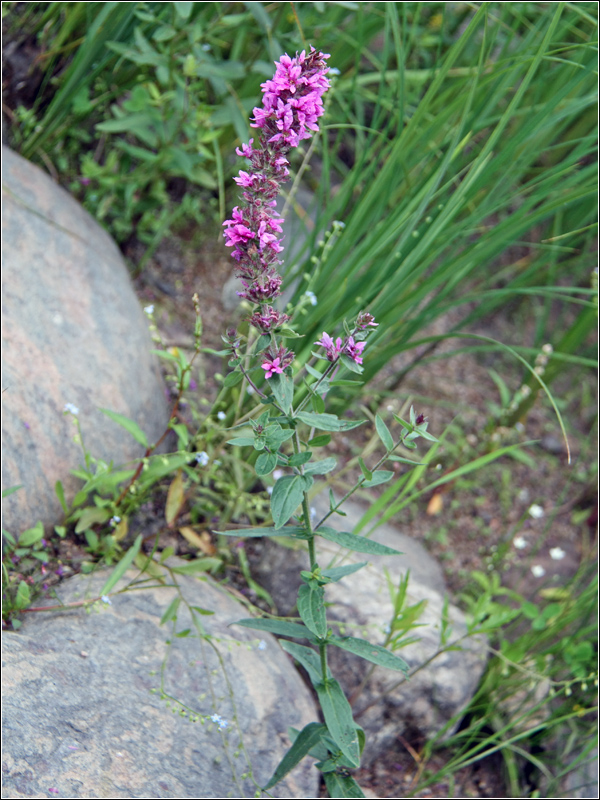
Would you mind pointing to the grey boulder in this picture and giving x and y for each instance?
(81, 719)
(73, 332)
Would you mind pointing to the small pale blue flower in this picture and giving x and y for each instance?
(221, 415)
(106, 599)
(202, 458)
(71, 409)
(149, 310)
(262, 645)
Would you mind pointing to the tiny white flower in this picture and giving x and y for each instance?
(278, 474)
(334, 71)
(390, 408)
(262, 645)
(387, 628)
(106, 599)
(249, 390)
(557, 553)
(71, 409)
(115, 520)
(535, 511)
(519, 426)
(221, 415)
(520, 542)
(149, 310)
(538, 571)
(312, 297)
(202, 458)
(269, 490)
(313, 512)
(206, 48)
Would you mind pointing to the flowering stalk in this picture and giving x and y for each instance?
(292, 104)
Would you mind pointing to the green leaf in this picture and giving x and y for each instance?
(350, 364)
(183, 9)
(337, 573)
(320, 467)
(327, 422)
(130, 426)
(242, 441)
(122, 566)
(265, 463)
(358, 543)
(320, 441)
(283, 389)
(23, 597)
(363, 468)
(299, 458)
(338, 718)
(371, 652)
(384, 434)
(232, 379)
(60, 493)
(277, 627)
(171, 612)
(342, 785)
(308, 658)
(379, 476)
(243, 533)
(287, 495)
(311, 607)
(32, 535)
(345, 383)
(406, 461)
(199, 565)
(308, 738)
(277, 436)
(10, 490)
(91, 516)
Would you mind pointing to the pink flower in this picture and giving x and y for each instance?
(365, 320)
(245, 150)
(332, 349)
(354, 349)
(272, 367)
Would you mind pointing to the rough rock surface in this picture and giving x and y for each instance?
(73, 332)
(361, 604)
(79, 718)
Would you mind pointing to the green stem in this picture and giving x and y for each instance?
(323, 651)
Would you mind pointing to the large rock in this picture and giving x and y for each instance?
(361, 606)
(72, 332)
(80, 718)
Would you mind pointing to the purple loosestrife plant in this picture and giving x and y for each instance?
(283, 434)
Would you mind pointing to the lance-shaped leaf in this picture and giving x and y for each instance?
(277, 626)
(311, 607)
(122, 566)
(342, 785)
(283, 389)
(338, 718)
(320, 467)
(371, 652)
(379, 476)
(358, 543)
(245, 533)
(308, 738)
(337, 573)
(130, 426)
(328, 422)
(309, 659)
(384, 433)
